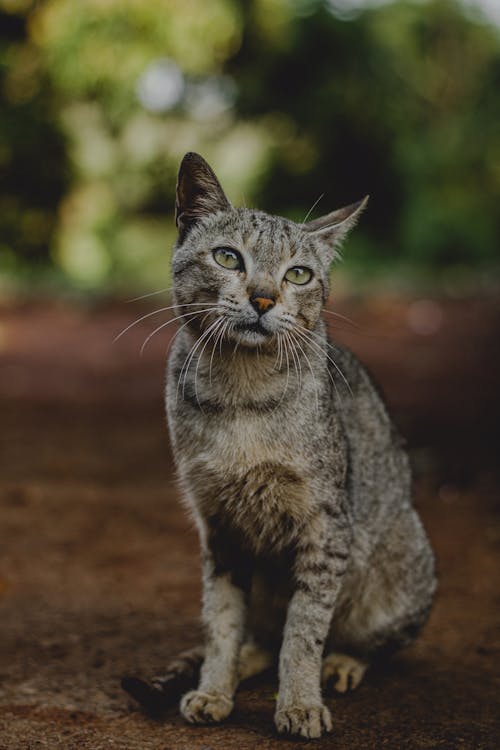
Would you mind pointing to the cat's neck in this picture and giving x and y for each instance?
(234, 374)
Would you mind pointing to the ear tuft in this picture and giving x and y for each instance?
(198, 193)
(333, 227)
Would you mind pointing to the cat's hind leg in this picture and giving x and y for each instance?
(182, 674)
(163, 691)
(342, 672)
(383, 606)
(253, 660)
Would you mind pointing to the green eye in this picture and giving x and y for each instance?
(298, 275)
(228, 258)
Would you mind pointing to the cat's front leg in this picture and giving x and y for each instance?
(224, 619)
(319, 568)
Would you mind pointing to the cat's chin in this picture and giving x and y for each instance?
(252, 335)
(252, 339)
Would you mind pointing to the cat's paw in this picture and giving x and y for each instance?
(198, 707)
(304, 721)
(342, 672)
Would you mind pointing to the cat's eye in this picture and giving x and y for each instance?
(298, 275)
(228, 258)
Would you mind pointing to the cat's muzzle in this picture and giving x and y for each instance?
(255, 327)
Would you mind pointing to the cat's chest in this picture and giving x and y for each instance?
(249, 475)
(232, 444)
(264, 505)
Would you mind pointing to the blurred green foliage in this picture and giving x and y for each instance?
(288, 99)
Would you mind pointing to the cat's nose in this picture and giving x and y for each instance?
(262, 301)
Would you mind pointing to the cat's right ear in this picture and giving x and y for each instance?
(198, 194)
(334, 227)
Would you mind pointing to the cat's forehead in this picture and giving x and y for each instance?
(268, 238)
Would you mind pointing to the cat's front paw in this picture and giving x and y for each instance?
(198, 707)
(304, 721)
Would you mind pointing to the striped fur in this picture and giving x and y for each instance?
(298, 482)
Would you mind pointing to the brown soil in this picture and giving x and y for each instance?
(99, 571)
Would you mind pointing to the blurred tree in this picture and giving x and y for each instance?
(126, 72)
(401, 102)
(288, 99)
(33, 175)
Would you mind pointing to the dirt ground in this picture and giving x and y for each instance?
(99, 568)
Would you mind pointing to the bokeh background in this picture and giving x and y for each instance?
(298, 105)
(288, 99)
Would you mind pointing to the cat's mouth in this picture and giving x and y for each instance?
(255, 327)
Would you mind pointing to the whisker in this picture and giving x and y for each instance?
(333, 348)
(330, 376)
(214, 330)
(296, 361)
(277, 361)
(193, 315)
(155, 312)
(280, 352)
(192, 349)
(218, 340)
(294, 244)
(235, 348)
(229, 329)
(175, 335)
(342, 317)
(235, 345)
(312, 208)
(287, 374)
(198, 340)
(198, 343)
(287, 370)
(206, 336)
(312, 334)
(292, 333)
(150, 294)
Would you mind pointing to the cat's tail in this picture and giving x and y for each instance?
(161, 692)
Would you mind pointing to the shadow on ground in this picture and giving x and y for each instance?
(99, 566)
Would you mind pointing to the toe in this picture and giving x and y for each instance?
(198, 707)
(342, 673)
(304, 721)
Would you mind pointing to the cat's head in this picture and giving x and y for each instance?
(262, 275)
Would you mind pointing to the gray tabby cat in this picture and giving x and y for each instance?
(313, 555)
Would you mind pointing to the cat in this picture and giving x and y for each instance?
(313, 556)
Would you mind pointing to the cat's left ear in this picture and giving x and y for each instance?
(198, 194)
(333, 227)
